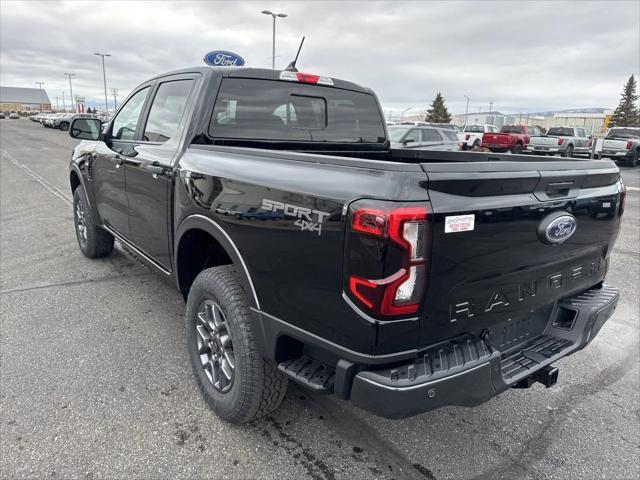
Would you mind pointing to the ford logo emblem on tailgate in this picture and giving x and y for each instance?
(557, 228)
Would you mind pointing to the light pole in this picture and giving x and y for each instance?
(273, 45)
(115, 102)
(73, 107)
(64, 103)
(466, 111)
(57, 104)
(403, 112)
(104, 80)
(40, 85)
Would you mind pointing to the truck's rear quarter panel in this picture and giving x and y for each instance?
(296, 270)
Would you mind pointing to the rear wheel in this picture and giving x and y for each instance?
(236, 381)
(93, 241)
(476, 145)
(568, 152)
(634, 159)
(64, 126)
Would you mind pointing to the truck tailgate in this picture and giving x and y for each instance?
(497, 139)
(498, 279)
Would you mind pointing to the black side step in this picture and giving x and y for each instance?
(310, 372)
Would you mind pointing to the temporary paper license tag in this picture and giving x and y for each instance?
(459, 223)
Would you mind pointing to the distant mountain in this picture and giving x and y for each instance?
(551, 113)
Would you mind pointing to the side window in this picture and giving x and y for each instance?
(124, 125)
(430, 135)
(166, 110)
(413, 135)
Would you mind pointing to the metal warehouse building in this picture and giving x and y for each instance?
(16, 99)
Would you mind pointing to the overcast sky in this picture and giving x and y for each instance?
(523, 55)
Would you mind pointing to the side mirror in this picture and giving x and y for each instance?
(408, 140)
(86, 128)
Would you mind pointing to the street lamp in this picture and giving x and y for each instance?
(403, 112)
(273, 45)
(40, 85)
(73, 107)
(466, 111)
(104, 79)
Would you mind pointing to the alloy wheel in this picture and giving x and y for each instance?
(81, 226)
(214, 346)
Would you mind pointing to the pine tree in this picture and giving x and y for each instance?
(627, 115)
(438, 112)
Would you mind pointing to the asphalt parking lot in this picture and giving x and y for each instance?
(95, 380)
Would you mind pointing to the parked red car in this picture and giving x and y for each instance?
(511, 137)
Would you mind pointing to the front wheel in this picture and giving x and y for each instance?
(64, 126)
(517, 149)
(93, 241)
(236, 381)
(634, 159)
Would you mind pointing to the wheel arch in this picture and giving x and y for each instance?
(220, 250)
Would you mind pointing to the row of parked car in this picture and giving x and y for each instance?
(60, 121)
(621, 144)
(12, 116)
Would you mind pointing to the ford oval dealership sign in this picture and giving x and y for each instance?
(220, 58)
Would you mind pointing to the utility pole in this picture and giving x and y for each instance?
(40, 85)
(466, 111)
(491, 105)
(104, 80)
(273, 44)
(70, 75)
(57, 104)
(115, 101)
(64, 104)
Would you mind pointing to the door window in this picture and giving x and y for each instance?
(412, 136)
(124, 125)
(430, 135)
(166, 110)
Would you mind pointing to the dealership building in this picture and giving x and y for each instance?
(16, 99)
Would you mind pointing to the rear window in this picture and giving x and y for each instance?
(450, 134)
(624, 133)
(271, 110)
(560, 132)
(512, 129)
(474, 129)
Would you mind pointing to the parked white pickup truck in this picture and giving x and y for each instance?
(622, 144)
(567, 141)
(471, 135)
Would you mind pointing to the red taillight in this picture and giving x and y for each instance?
(560, 141)
(467, 136)
(629, 145)
(400, 292)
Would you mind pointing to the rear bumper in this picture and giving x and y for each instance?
(467, 370)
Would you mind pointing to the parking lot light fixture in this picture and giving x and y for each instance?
(466, 111)
(71, 75)
(104, 79)
(40, 85)
(403, 112)
(273, 43)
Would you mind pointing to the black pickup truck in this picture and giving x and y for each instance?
(307, 249)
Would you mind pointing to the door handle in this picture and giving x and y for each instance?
(132, 162)
(118, 160)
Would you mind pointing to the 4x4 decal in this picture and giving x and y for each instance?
(307, 218)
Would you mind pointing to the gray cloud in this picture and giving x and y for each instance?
(524, 56)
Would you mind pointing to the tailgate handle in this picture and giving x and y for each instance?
(559, 189)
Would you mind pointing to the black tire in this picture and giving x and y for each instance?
(634, 159)
(568, 152)
(517, 148)
(476, 145)
(255, 387)
(64, 126)
(94, 242)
